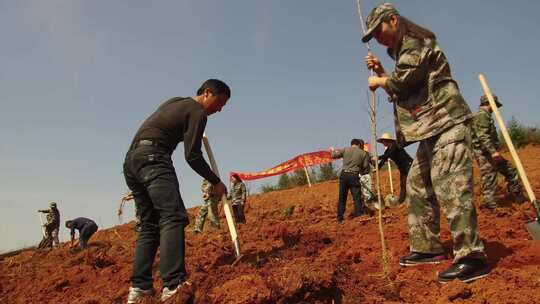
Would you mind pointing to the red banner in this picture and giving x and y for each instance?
(300, 161)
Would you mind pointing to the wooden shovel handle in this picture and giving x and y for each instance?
(509, 143)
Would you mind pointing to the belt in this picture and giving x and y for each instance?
(147, 142)
(350, 171)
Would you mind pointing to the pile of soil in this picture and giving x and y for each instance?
(294, 251)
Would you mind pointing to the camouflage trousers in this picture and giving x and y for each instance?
(208, 209)
(50, 239)
(489, 170)
(441, 178)
(365, 186)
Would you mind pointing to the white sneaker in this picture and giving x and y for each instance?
(135, 293)
(168, 293)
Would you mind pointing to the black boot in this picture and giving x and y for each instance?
(466, 270)
(417, 258)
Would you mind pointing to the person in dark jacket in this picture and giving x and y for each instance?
(400, 157)
(86, 228)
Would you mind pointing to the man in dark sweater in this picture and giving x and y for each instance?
(86, 228)
(149, 173)
(400, 157)
(355, 162)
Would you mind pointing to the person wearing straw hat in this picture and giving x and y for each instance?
(401, 158)
(485, 144)
(52, 226)
(429, 109)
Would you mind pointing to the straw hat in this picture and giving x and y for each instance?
(385, 137)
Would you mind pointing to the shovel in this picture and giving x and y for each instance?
(532, 226)
(390, 199)
(226, 205)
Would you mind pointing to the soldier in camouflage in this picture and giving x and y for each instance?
(429, 109)
(52, 225)
(485, 144)
(208, 209)
(238, 197)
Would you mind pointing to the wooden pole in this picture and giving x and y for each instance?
(509, 143)
(226, 206)
(373, 109)
(307, 176)
(42, 226)
(390, 177)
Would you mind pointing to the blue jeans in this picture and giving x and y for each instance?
(150, 175)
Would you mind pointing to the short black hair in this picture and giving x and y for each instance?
(216, 86)
(358, 142)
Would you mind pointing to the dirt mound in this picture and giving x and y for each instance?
(293, 252)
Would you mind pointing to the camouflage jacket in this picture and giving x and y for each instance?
(484, 133)
(208, 188)
(426, 99)
(53, 217)
(238, 193)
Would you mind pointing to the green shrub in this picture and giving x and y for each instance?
(284, 182)
(298, 178)
(326, 172)
(521, 135)
(268, 188)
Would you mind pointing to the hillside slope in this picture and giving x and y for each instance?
(302, 256)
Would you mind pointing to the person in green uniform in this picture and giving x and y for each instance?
(208, 209)
(486, 145)
(429, 109)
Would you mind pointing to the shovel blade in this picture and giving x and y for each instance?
(534, 229)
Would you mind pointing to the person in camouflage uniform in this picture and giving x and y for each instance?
(209, 208)
(485, 144)
(238, 197)
(52, 225)
(429, 109)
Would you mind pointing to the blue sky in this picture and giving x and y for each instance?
(79, 77)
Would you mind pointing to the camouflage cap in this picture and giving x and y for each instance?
(377, 15)
(52, 204)
(484, 101)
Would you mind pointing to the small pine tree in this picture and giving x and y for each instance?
(267, 188)
(326, 172)
(517, 133)
(284, 181)
(299, 178)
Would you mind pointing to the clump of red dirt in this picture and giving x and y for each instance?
(293, 252)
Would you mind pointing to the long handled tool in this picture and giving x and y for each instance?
(390, 199)
(533, 226)
(226, 206)
(390, 177)
(42, 224)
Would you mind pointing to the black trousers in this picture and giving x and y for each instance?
(349, 181)
(85, 233)
(403, 185)
(238, 211)
(150, 175)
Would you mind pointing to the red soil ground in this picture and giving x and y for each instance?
(304, 257)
